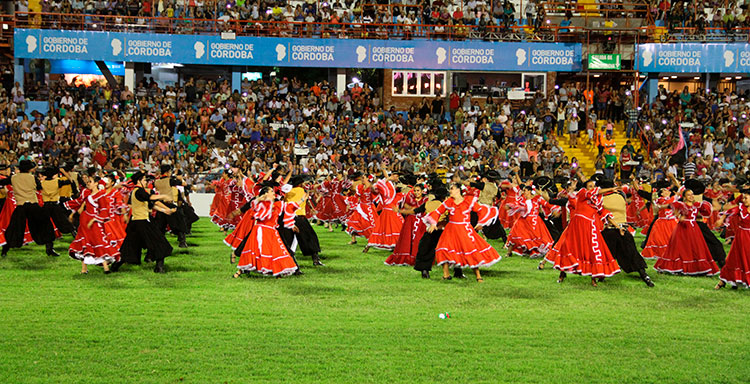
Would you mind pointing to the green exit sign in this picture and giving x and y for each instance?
(604, 61)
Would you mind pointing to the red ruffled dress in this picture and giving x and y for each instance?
(412, 230)
(246, 218)
(362, 214)
(326, 208)
(636, 213)
(687, 252)
(662, 230)
(220, 203)
(529, 236)
(736, 271)
(388, 224)
(265, 252)
(581, 249)
(111, 205)
(459, 244)
(340, 210)
(91, 245)
(511, 197)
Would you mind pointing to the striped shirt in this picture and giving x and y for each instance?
(689, 169)
(632, 115)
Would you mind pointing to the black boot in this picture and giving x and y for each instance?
(316, 260)
(115, 266)
(6, 247)
(298, 272)
(51, 251)
(646, 278)
(425, 274)
(159, 268)
(181, 239)
(458, 273)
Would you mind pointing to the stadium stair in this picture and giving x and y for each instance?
(586, 154)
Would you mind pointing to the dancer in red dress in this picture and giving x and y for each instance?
(687, 252)
(581, 249)
(460, 245)
(512, 193)
(736, 271)
(265, 252)
(220, 202)
(326, 208)
(529, 235)
(113, 207)
(246, 221)
(638, 213)
(412, 230)
(91, 245)
(362, 215)
(662, 229)
(388, 224)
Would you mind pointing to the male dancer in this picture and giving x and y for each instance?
(619, 241)
(165, 185)
(28, 212)
(140, 232)
(51, 192)
(307, 239)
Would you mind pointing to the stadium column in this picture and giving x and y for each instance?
(130, 76)
(236, 81)
(653, 86)
(18, 72)
(340, 81)
(712, 80)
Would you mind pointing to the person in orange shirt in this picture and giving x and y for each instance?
(589, 95)
(315, 90)
(600, 138)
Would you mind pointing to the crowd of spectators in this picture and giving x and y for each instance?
(202, 125)
(701, 16)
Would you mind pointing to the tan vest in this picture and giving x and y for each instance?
(24, 188)
(164, 188)
(50, 191)
(616, 204)
(488, 194)
(294, 196)
(66, 190)
(139, 209)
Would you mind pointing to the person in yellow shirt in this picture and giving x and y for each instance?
(304, 233)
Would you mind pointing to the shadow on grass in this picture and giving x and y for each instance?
(29, 262)
(313, 290)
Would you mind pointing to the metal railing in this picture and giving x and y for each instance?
(265, 28)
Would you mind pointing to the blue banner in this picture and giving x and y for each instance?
(85, 67)
(694, 58)
(298, 52)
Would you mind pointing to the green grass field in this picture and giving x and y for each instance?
(358, 320)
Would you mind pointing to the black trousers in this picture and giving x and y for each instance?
(426, 251)
(623, 249)
(142, 234)
(714, 244)
(176, 222)
(38, 221)
(307, 239)
(59, 216)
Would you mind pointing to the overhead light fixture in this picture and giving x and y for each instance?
(5, 26)
(728, 78)
(665, 78)
(597, 75)
(738, 77)
(697, 77)
(673, 76)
